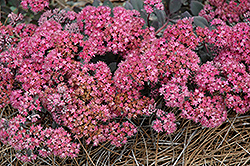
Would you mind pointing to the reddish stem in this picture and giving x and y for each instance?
(159, 30)
(148, 19)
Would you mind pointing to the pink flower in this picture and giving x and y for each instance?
(150, 4)
(35, 5)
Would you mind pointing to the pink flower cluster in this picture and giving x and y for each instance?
(228, 75)
(35, 5)
(34, 140)
(5, 36)
(117, 34)
(210, 78)
(164, 122)
(14, 18)
(183, 32)
(60, 16)
(209, 111)
(49, 82)
(150, 4)
(117, 133)
(231, 11)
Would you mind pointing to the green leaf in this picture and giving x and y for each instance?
(174, 5)
(15, 3)
(137, 4)
(108, 3)
(13, 8)
(195, 7)
(200, 21)
(96, 3)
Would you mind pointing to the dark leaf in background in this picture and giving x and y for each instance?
(6, 9)
(174, 5)
(34, 18)
(70, 3)
(204, 56)
(186, 14)
(37, 16)
(15, 3)
(195, 7)
(108, 3)
(144, 16)
(175, 17)
(155, 24)
(128, 5)
(76, 9)
(21, 10)
(14, 9)
(137, 4)
(96, 3)
(54, 125)
(161, 16)
(200, 21)
(28, 151)
(112, 66)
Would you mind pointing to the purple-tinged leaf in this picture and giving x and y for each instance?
(174, 5)
(195, 7)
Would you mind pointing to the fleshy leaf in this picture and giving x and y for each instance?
(112, 66)
(108, 3)
(161, 16)
(128, 5)
(200, 21)
(96, 3)
(186, 14)
(174, 5)
(155, 24)
(15, 3)
(195, 7)
(137, 4)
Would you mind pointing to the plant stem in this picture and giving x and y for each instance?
(159, 30)
(148, 19)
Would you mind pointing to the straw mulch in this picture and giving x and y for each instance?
(191, 144)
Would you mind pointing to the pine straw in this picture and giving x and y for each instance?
(191, 144)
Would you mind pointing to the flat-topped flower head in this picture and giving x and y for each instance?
(35, 5)
(149, 5)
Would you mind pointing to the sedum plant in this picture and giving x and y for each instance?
(91, 74)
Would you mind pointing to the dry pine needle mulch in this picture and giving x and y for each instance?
(191, 144)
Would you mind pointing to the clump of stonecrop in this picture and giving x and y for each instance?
(226, 10)
(90, 74)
